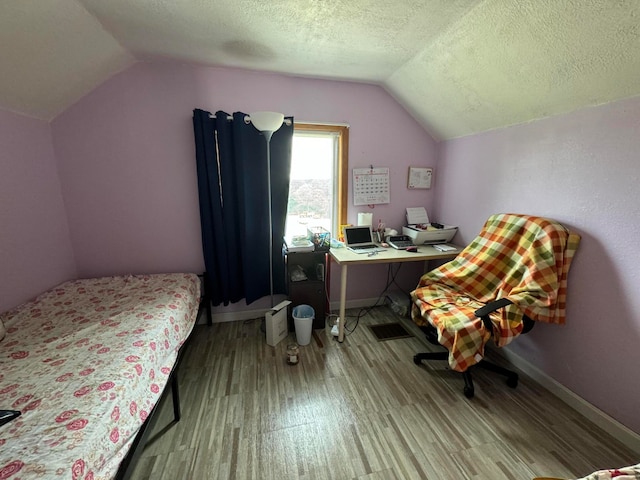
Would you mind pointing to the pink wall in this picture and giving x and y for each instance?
(35, 251)
(127, 162)
(126, 166)
(581, 169)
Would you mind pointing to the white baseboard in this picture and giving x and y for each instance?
(242, 315)
(239, 316)
(597, 416)
(359, 303)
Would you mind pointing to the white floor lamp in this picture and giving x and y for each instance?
(267, 123)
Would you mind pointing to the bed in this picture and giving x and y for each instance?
(85, 363)
(631, 472)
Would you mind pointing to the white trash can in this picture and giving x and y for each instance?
(303, 316)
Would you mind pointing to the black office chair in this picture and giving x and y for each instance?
(512, 273)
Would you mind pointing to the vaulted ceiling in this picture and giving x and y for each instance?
(458, 66)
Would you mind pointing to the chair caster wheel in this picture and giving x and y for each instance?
(512, 382)
(468, 392)
(416, 360)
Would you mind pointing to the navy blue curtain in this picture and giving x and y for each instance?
(231, 159)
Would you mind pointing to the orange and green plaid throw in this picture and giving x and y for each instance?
(523, 258)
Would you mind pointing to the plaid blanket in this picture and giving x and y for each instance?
(523, 258)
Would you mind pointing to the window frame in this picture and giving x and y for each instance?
(342, 133)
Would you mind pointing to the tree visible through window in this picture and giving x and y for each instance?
(317, 189)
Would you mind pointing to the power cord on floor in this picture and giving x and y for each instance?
(391, 280)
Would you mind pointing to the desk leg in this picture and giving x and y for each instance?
(343, 302)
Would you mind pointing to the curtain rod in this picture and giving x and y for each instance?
(324, 124)
(247, 119)
(229, 117)
(288, 122)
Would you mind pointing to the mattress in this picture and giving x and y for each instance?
(85, 363)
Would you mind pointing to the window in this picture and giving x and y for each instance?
(318, 182)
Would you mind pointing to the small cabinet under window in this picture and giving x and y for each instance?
(307, 283)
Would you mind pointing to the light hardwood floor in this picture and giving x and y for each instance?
(361, 409)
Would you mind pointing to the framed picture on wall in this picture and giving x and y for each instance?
(419, 177)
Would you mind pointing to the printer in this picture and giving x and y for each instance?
(422, 231)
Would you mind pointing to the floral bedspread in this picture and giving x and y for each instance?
(626, 473)
(85, 363)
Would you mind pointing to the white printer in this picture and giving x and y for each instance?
(422, 231)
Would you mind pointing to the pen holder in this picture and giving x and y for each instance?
(319, 237)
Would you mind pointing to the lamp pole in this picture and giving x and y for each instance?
(267, 123)
(267, 135)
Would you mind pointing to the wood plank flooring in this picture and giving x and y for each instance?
(360, 410)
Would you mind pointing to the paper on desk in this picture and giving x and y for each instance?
(416, 215)
(444, 248)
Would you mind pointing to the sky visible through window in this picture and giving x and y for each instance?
(311, 184)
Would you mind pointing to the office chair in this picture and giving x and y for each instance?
(513, 274)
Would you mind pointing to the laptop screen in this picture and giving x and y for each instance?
(357, 235)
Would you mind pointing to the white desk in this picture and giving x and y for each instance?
(345, 257)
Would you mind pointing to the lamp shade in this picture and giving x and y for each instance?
(266, 121)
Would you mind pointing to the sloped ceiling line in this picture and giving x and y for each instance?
(459, 67)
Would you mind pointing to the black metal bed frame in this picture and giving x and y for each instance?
(128, 464)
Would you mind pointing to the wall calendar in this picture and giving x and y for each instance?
(371, 186)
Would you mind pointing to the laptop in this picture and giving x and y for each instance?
(358, 240)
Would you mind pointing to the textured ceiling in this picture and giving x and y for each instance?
(459, 66)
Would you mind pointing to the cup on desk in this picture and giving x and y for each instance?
(389, 232)
(365, 219)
